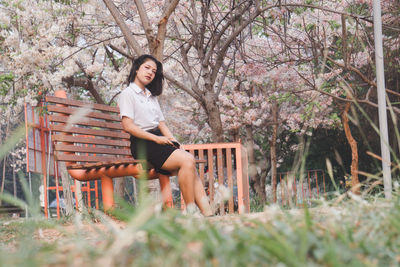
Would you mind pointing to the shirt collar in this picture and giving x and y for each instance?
(139, 90)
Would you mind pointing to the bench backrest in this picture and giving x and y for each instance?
(96, 137)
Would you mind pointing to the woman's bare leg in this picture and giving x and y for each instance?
(201, 197)
(190, 184)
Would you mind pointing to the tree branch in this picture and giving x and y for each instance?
(162, 29)
(225, 71)
(225, 46)
(111, 57)
(217, 38)
(120, 51)
(359, 73)
(146, 24)
(185, 62)
(90, 86)
(180, 85)
(132, 43)
(82, 48)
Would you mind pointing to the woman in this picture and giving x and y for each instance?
(150, 137)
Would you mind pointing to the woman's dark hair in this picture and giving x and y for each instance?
(155, 87)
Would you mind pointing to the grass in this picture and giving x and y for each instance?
(354, 233)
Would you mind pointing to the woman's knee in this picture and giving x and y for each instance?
(188, 161)
(179, 159)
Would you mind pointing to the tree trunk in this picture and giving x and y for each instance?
(135, 192)
(4, 175)
(3, 180)
(257, 180)
(79, 196)
(14, 183)
(354, 152)
(119, 187)
(214, 117)
(273, 149)
(67, 193)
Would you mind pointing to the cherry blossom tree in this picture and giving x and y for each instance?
(248, 70)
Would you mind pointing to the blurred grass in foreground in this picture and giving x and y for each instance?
(347, 230)
(353, 233)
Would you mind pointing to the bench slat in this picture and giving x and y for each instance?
(92, 150)
(97, 115)
(70, 102)
(81, 158)
(89, 140)
(96, 123)
(116, 134)
(89, 166)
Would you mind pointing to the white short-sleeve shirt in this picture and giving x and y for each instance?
(142, 107)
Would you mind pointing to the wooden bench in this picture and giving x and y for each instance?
(94, 145)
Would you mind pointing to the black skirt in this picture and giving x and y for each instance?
(154, 153)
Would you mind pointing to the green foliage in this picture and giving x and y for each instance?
(255, 204)
(335, 117)
(361, 9)
(334, 24)
(324, 144)
(310, 27)
(286, 97)
(5, 83)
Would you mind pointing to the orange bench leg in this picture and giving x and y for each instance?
(107, 189)
(166, 191)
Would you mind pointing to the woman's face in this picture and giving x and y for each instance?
(146, 72)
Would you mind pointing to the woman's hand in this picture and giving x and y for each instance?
(167, 133)
(163, 140)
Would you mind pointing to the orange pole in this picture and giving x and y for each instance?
(316, 181)
(34, 139)
(107, 189)
(96, 194)
(54, 187)
(201, 166)
(220, 177)
(240, 178)
(210, 159)
(229, 172)
(88, 194)
(287, 188)
(245, 177)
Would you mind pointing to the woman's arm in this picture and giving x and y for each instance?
(165, 131)
(133, 129)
